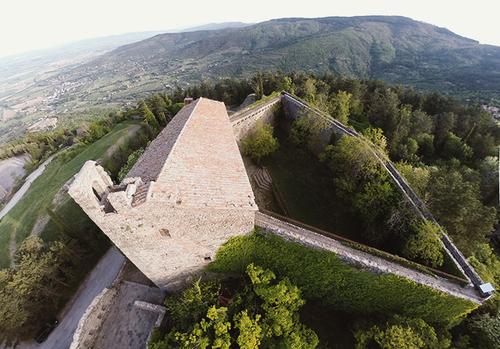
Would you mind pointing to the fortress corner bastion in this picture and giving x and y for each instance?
(186, 195)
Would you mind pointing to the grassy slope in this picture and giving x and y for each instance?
(21, 219)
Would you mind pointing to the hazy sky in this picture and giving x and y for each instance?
(33, 24)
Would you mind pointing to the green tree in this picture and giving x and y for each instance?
(211, 332)
(377, 138)
(456, 204)
(424, 244)
(417, 177)
(282, 300)
(260, 143)
(148, 116)
(487, 264)
(31, 292)
(287, 85)
(453, 147)
(400, 333)
(426, 146)
(342, 106)
(264, 314)
(363, 183)
(420, 123)
(191, 304)
(401, 130)
(159, 105)
(485, 330)
(258, 85)
(306, 129)
(131, 160)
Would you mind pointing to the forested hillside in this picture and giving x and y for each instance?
(395, 49)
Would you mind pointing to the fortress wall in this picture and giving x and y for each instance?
(244, 121)
(361, 259)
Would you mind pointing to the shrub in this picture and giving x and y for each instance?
(260, 143)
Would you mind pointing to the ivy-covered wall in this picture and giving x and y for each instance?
(324, 277)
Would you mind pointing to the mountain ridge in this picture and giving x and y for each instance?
(189, 45)
(395, 49)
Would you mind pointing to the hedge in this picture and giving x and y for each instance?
(323, 277)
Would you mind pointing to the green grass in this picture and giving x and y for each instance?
(22, 218)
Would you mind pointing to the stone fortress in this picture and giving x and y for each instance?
(185, 196)
(189, 193)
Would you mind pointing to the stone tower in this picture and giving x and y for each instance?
(186, 195)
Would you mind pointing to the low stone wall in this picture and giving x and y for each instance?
(245, 120)
(91, 322)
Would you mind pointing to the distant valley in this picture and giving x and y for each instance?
(394, 49)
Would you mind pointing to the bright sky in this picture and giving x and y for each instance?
(32, 24)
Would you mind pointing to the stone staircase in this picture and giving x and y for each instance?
(263, 179)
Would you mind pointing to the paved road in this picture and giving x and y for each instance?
(27, 183)
(102, 276)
